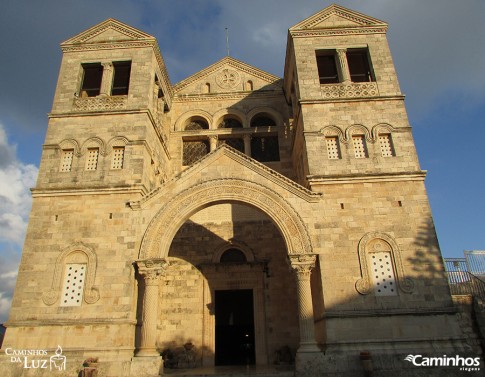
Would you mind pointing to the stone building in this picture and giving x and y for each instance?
(237, 211)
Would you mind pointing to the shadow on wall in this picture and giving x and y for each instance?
(195, 273)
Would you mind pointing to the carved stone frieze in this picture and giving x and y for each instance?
(165, 224)
(100, 103)
(349, 90)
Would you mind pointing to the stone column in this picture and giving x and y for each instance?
(303, 264)
(344, 67)
(247, 145)
(107, 79)
(152, 271)
(213, 142)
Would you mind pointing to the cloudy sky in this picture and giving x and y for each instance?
(437, 47)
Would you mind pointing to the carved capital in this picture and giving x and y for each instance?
(152, 270)
(107, 66)
(303, 264)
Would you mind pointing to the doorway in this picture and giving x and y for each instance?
(234, 327)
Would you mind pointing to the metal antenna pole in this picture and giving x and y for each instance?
(227, 40)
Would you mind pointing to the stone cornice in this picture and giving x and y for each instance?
(257, 131)
(313, 101)
(227, 61)
(180, 98)
(388, 312)
(334, 32)
(69, 322)
(363, 178)
(72, 191)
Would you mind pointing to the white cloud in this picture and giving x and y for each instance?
(16, 179)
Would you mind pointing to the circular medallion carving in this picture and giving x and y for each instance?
(228, 78)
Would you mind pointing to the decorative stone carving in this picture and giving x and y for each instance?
(165, 224)
(349, 90)
(91, 293)
(228, 78)
(381, 241)
(100, 103)
(303, 264)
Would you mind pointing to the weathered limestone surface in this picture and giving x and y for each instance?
(314, 185)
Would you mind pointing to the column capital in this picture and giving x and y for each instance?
(152, 270)
(303, 264)
(213, 137)
(107, 65)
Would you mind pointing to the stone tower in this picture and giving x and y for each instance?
(169, 215)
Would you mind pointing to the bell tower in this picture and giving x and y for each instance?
(349, 116)
(107, 126)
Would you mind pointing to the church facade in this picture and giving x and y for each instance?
(253, 219)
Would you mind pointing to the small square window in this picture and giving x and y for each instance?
(359, 66)
(66, 160)
(121, 78)
(327, 67)
(333, 148)
(360, 148)
(385, 142)
(92, 159)
(118, 158)
(93, 74)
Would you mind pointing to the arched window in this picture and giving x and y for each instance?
(381, 266)
(233, 256)
(74, 274)
(230, 122)
(262, 121)
(249, 85)
(206, 88)
(196, 123)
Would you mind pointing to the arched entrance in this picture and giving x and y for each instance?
(228, 289)
(154, 251)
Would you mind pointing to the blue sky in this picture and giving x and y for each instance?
(437, 47)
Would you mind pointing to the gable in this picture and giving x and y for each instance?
(110, 30)
(228, 75)
(226, 162)
(336, 16)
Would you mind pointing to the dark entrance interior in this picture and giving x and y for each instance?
(234, 327)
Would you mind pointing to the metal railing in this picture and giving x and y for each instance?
(466, 275)
(465, 283)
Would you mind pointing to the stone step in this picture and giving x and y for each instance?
(232, 371)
